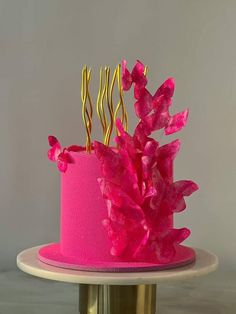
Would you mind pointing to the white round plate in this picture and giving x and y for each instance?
(28, 262)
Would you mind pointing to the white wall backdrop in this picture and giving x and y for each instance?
(43, 46)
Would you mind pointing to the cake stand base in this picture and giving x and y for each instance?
(116, 293)
(101, 299)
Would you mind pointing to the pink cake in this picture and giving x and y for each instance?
(118, 202)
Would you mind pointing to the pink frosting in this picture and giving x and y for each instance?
(82, 211)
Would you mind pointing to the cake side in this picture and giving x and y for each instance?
(83, 213)
(82, 210)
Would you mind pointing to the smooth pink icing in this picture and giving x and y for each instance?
(83, 210)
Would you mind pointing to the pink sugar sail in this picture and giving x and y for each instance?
(137, 178)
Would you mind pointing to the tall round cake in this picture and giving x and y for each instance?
(118, 202)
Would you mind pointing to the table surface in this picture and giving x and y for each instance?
(27, 261)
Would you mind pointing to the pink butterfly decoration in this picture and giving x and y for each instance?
(137, 178)
(61, 156)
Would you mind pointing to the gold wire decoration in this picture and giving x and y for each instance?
(102, 108)
(145, 71)
(87, 112)
(104, 103)
(99, 103)
(120, 105)
(107, 85)
(109, 96)
(90, 112)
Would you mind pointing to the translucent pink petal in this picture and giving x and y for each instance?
(52, 140)
(76, 148)
(177, 122)
(166, 89)
(137, 91)
(126, 76)
(127, 140)
(54, 152)
(160, 118)
(169, 150)
(146, 166)
(119, 243)
(113, 164)
(167, 248)
(180, 205)
(141, 134)
(119, 168)
(107, 224)
(144, 104)
(65, 157)
(107, 157)
(138, 71)
(164, 252)
(121, 200)
(150, 147)
(149, 157)
(159, 222)
(176, 193)
(142, 244)
(177, 236)
(138, 74)
(115, 214)
(158, 181)
(150, 192)
(117, 235)
(62, 166)
(165, 157)
(119, 126)
(161, 103)
(185, 187)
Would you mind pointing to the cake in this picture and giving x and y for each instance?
(118, 200)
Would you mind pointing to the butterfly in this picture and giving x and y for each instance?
(61, 155)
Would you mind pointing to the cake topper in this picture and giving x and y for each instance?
(137, 179)
(107, 116)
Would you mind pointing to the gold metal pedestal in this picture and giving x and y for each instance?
(113, 299)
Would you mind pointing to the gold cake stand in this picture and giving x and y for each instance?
(116, 293)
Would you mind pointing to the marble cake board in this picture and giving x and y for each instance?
(116, 293)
